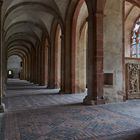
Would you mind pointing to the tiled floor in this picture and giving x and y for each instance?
(1, 128)
(36, 113)
(22, 95)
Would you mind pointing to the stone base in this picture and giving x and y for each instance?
(90, 101)
(2, 108)
(41, 84)
(62, 92)
(51, 87)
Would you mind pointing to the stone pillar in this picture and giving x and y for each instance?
(57, 57)
(38, 64)
(95, 59)
(42, 66)
(49, 67)
(46, 64)
(67, 81)
(32, 68)
(24, 70)
(1, 66)
(55, 62)
(51, 72)
(62, 86)
(28, 67)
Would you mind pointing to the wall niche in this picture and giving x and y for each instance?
(108, 79)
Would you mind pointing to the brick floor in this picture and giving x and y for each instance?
(1, 126)
(23, 95)
(36, 113)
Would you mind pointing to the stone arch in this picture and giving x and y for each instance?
(79, 53)
(132, 14)
(15, 66)
(25, 58)
(55, 56)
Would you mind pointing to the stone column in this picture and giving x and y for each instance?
(1, 66)
(51, 71)
(42, 66)
(46, 64)
(62, 86)
(32, 71)
(28, 67)
(36, 66)
(49, 66)
(24, 70)
(95, 59)
(67, 82)
(54, 64)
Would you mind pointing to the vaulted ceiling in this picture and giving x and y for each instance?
(26, 22)
(132, 9)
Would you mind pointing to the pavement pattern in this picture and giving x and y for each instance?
(37, 113)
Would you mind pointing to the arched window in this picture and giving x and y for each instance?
(135, 46)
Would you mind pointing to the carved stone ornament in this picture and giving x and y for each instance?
(132, 80)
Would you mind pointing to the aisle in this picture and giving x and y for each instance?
(37, 113)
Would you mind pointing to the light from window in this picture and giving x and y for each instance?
(10, 72)
(135, 45)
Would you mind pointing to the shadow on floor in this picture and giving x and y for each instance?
(41, 115)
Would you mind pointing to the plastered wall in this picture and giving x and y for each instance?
(113, 49)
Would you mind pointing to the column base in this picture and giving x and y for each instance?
(41, 84)
(2, 108)
(52, 86)
(90, 101)
(63, 92)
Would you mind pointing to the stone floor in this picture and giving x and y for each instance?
(36, 113)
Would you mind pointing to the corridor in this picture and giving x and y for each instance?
(22, 95)
(35, 113)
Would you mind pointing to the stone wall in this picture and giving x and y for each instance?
(14, 64)
(113, 49)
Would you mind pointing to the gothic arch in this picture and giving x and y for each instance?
(79, 53)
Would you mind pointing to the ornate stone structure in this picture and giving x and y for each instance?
(132, 80)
